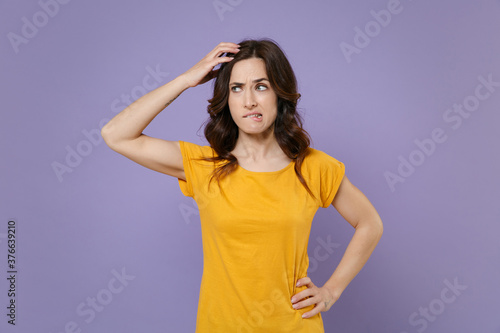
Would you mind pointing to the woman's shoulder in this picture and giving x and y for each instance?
(196, 150)
(313, 153)
(316, 157)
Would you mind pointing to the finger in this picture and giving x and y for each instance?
(228, 54)
(228, 44)
(229, 47)
(220, 50)
(303, 281)
(302, 295)
(311, 313)
(304, 303)
(220, 60)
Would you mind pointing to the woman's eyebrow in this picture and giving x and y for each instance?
(254, 81)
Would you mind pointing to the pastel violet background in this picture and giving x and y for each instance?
(109, 231)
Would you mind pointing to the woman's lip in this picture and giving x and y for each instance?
(249, 114)
(254, 118)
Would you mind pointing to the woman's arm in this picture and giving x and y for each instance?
(129, 123)
(124, 134)
(355, 207)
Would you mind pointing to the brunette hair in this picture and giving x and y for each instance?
(222, 132)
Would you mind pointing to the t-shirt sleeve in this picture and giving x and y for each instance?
(331, 174)
(192, 170)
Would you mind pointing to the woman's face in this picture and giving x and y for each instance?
(252, 101)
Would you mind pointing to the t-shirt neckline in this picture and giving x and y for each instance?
(267, 172)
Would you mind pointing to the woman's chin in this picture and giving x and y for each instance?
(255, 130)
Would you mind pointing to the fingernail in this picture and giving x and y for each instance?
(298, 284)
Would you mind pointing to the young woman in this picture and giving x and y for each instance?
(258, 185)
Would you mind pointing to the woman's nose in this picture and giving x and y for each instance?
(250, 99)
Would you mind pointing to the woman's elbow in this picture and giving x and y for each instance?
(378, 227)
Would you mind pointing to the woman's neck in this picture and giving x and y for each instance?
(257, 147)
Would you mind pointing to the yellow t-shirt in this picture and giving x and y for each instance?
(255, 232)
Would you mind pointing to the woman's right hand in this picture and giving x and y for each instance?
(204, 71)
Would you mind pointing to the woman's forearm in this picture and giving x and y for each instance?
(358, 251)
(131, 122)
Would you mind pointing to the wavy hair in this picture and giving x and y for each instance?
(222, 132)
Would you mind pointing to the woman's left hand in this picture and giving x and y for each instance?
(322, 298)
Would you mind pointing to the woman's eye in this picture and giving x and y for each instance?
(261, 87)
(235, 88)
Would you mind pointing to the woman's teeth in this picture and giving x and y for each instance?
(254, 115)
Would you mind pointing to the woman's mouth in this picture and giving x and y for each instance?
(254, 117)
